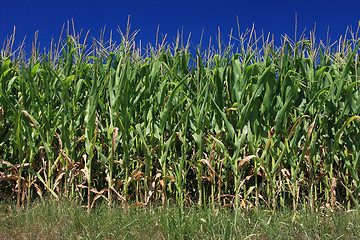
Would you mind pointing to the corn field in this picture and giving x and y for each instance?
(245, 125)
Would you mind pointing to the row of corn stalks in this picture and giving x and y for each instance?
(242, 126)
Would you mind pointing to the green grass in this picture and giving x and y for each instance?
(68, 220)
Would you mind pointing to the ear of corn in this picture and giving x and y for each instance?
(270, 126)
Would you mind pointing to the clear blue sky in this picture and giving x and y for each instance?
(276, 17)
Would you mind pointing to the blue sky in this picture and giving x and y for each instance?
(276, 17)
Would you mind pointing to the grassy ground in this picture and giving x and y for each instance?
(66, 220)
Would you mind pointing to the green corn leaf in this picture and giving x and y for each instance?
(228, 125)
(41, 133)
